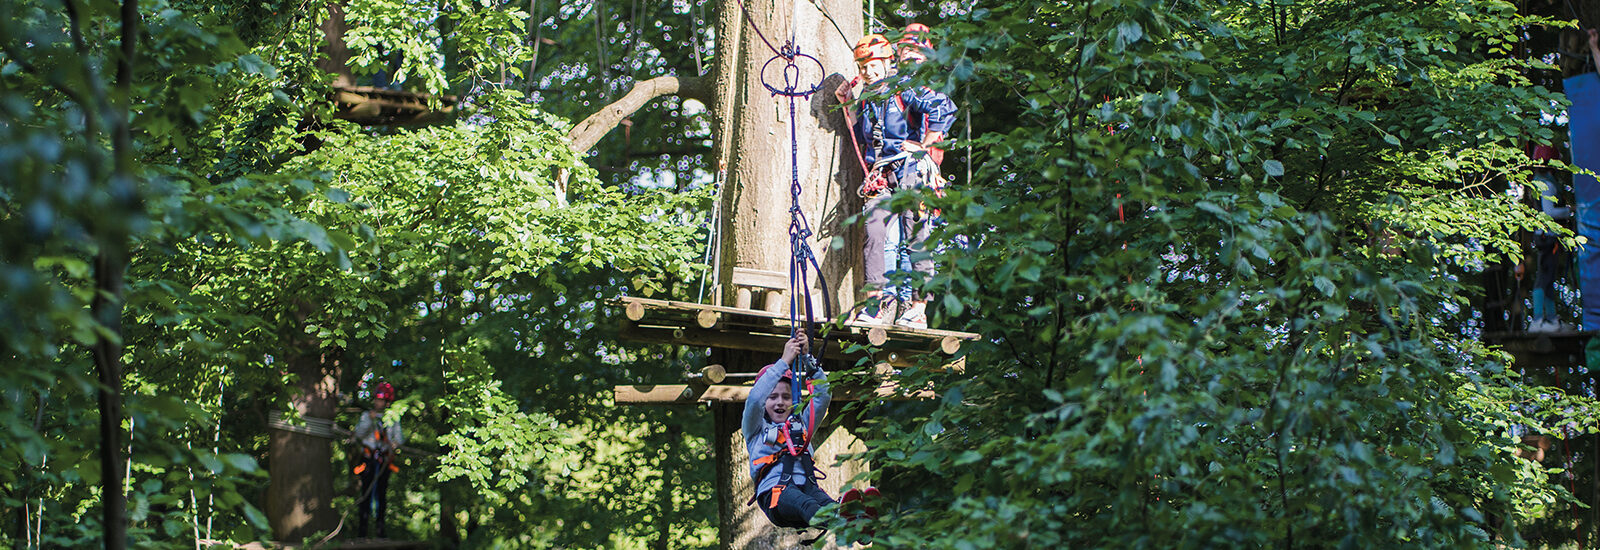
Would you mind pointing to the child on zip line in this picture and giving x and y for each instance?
(780, 440)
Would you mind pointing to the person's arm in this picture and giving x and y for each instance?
(364, 427)
(938, 111)
(820, 398)
(845, 93)
(396, 436)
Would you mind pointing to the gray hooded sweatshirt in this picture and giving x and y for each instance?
(761, 434)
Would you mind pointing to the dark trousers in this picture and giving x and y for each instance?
(373, 497)
(797, 504)
(875, 268)
(909, 233)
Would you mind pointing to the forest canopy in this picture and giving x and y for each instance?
(1224, 257)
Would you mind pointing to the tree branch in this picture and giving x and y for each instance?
(589, 132)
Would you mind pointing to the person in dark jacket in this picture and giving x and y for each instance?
(893, 134)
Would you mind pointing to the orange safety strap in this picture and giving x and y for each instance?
(775, 492)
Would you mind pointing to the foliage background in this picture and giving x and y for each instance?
(1243, 237)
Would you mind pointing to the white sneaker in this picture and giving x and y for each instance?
(916, 317)
(885, 315)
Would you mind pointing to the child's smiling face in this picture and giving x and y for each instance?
(779, 402)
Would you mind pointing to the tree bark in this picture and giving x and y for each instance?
(111, 264)
(300, 492)
(752, 129)
(597, 125)
(753, 144)
(107, 309)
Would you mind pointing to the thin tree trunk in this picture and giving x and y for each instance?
(107, 309)
(666, 514)
(111, 263)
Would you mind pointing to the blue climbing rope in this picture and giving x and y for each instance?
(802, 260)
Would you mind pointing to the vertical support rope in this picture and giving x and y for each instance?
(801, 257)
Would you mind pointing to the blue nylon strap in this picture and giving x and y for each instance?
(1584, 123)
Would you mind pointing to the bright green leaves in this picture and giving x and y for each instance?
(1216, 260)
(438, 47)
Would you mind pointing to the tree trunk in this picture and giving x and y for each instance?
(110, 268)
(753, 132)
(300, 493)
(754, 146)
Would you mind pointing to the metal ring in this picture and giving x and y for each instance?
(789, 91)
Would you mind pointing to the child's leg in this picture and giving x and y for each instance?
(918, 230)
(872, 245)
(796, 505)
(364, 505)
(1545, 280)
(380, 494)
(894, 256)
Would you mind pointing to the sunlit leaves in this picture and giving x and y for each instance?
(1247, 327)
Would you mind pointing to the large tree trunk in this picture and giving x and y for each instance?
(744, 527)
(754, 145)
(752, 127)
(300, 493)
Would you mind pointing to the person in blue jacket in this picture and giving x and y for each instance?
(893, 136)
(780, 444)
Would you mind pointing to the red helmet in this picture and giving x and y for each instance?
(1543, 153)
(787, 373)
(916, 34)
(872, 46)
(385, 391)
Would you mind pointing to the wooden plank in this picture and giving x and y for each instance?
(690, 308)
(769, 342)
(687, 394)
(744, 276)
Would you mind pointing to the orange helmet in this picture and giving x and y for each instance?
(873, 46)
(916, 34)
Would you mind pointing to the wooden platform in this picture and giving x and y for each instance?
(1543, 349)
(662, 321)
(356, 544)
(704, 325)
(371, 106)
(689, 394)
